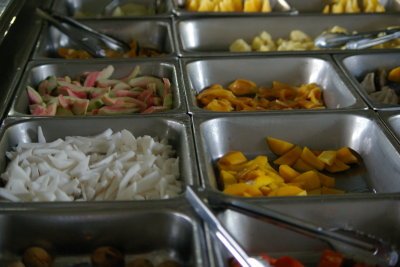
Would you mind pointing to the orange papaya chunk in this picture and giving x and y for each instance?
(278, 147)
(290, 157)
(243, 87)
(287, 173)
(302, 166)
(346, 156)
(233, 158)
(227, 178)
(326, 180)
(308, 156)
(394, 75)
(243, 189)
(327, 157)
(287, 190)
(310, 179)
(331, 191)
(337, 166)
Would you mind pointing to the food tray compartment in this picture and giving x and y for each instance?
(151, 33)
(38, 71)
(258, 237)
(175, 129)
(377, 171)
(70, 236)
(357, 66)
(292, 70)
(213, 36)
(106, 8)
(391, 119)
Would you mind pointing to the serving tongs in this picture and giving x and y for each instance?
(89, 39)
(356, 41)
(347, 240)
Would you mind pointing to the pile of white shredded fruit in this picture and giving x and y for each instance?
(109, 166)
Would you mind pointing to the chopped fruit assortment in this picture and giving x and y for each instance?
(229, 5)
(300, 171)
(351, 6)
(245, 95)
(94, 93)
(135, 51)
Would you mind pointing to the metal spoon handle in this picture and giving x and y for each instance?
(365, 43)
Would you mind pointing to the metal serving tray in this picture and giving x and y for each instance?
(155, 232)
(293, 70)
(213, 36)
(357, 66)
(392, 120)
(40, 70)
(104, 8)
(258, 237)
(378, 171)
(176, 129)
(152, 33)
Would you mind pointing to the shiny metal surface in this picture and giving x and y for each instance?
(356, 67)
(152, 33)
(37, 71)
(316, 6)
(362, 131)
(213, 36)
(391, 118)
(294, 70)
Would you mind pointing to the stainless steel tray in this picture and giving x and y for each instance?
(39, 70)
(176, 129)
(152, 33)
(357, 66)
(97, 8)
(362, 131)
(155, 232)
(293, 70)
(391, 118)
(213, 36)
(262, 237)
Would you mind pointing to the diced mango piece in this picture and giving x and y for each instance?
(326, 180)
(287, 190)
(290, 157)
(302, 166)
(314, 192)
(227, 178)
(252, 6)
(279, 147)
(337, 166)
(310, 179)
(327, 157)
(266, 6)
(287, 173)
(331, 191)
(263, 180)
(394, 75)
(243, 87)
(243, 189)
(311, 159)
(346, 156)
(233, 158)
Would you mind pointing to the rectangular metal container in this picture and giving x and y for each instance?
(175, 129)
(377, 172)
(293, 70)
(105, 8)
(258, 237)
(154, 232)
(391, 119)
(356, 67)
(40, 70)
(152, 33)
(213, 36)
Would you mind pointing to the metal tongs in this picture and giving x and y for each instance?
(355, 41)
(89, 39)
(358, 244)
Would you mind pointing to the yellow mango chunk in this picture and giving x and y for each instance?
(308, 156)
(327, 157)
(302, 166)
(287, 173)
(266, 6)
(263, 180)
(394, 75)
(287, 190)
(331, 191)
(227, 178)
(233, 158)
(278, 147)
(314, 192)
(346, 156)
(310, 179)
(326, 180)
(252, 6)
(290, 157)
(243, 189)
(337, 166)
(243, 87)
(238, 5)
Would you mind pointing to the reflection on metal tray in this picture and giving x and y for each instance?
(377, 172)
(392, 120)
(292, 70)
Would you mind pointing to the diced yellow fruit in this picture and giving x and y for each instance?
(239, 45)
(243, 87)
(337, 166)
(266, 6)
(327, 157)
(238, 5)
(310, 179)
(265, 190)
(346, 156)
(326, 9)
(287, 173)
(394, 75)
(302, 166)
(317, 152)
(192, 5)
(290, 157)
(311, 159)
(298, 184)
(252, 6)
(233, 158)
(206, 6)
(278, 147)
(326, 180)
(331, 191)
(287, 190)
(316, 191)
(243, 189)
(227, 178)
(262, 181)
